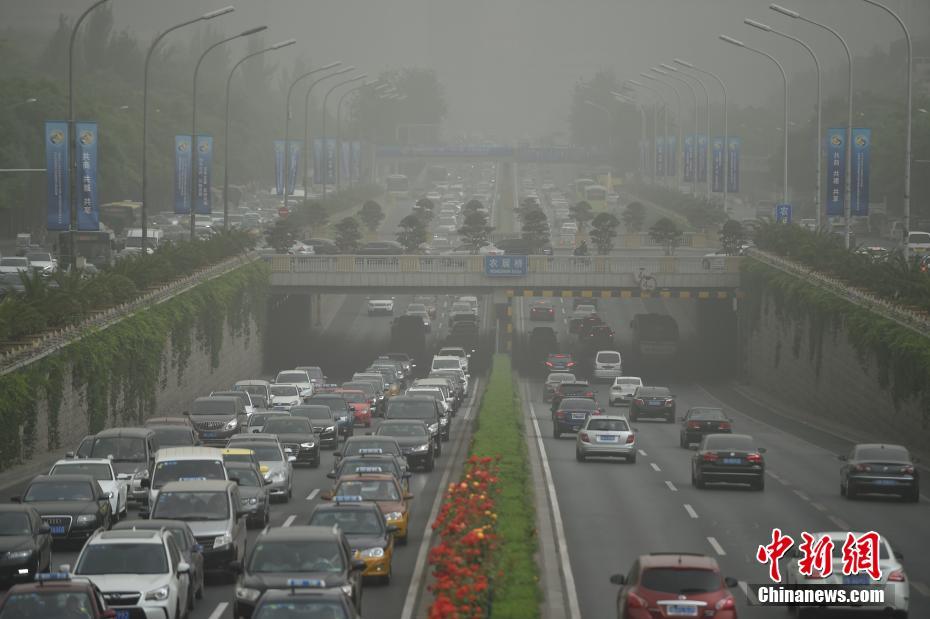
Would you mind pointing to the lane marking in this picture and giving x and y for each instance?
(747, 592)
(655, 467)
(671, 486)
(413, 591)
(716, 546)
(690, 511)
(921, 588)
(819, 507)
(803, 496)
(842, 524)
(219, 610)
(642, 452)
(313, 494)
(290, 520)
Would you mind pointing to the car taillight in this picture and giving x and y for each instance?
(551, 311)
(634, 601)
(907, 470)
(723, 426)
(597, 411)
(638, 402)
(669, 403)
(585, 438)
(727, 603)
(549, 363)
(897, 576)
(709, 456)
(630, 438)
(570, 363)
(560, 414)
(589, 394)
(694, 425)
(754, 458)
(862, 468)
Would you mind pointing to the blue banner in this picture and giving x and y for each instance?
(279, 167)
(88, 214)
(318, 161)
(717, 171)
(293, 164)
(700, 168)
(671, 156)
(836, 171)
(329, 166)
(660, 156)
(57, 176)
(356, 161)
(861, 164)
(202, 199)
(732, 163)
(688, 159)
(345, 152)
(182, 174)
(783, 213)
(505, 266)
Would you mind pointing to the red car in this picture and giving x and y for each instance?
(542, 310)
(675, 585)
(55, 595)
(360, 405)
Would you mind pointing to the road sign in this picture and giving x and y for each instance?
(505, 266)
(783, 213)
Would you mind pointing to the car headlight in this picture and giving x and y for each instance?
(372, 553)
(434, 428)
(244, 593)
(249, 500)
(307, 445)
(17, 555)
(86, 519)
(222, 540)
(421, 448)
(276, 477)
(346, 589)
(143, 474)
(330, 429)
(393, 516)
(232, 424)
(443, 421)
(159, 595)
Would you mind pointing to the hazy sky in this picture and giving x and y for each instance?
(509, 65)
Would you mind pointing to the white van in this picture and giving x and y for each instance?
(918, 242)
(185, 464)
(153, 238)
(446, 363)
(608, 365)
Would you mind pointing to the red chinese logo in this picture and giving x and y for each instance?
(861, 555)
(774, 551)
(816, 554)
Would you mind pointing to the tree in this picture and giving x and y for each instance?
(603, 232)
(634, 216)
(371, 215)
(348, 234)
(666, 233)
(411, 233)
(282, 235)
(527, 205)
(475, 231)
(472, 206)
(732, 236)
(423, 209)
(312, 213)
(535, 227)
(582, 214)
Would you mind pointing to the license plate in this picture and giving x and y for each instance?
(57, 529)
(122, 614)
(579, 415)
(207, 435)
(681, 610)
(885, 482)
(655, 402)
(732, 460)
(857, 579)
(607, 438)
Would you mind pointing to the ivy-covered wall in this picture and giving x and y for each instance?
(839, 362)
(154, 362)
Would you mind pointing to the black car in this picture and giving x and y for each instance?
(370, 538)
(875, 468)
(322, 420)
(653, 402)
(253, 492)
(560, 362)
(571, 414)
(73, 506)
(363, 464)
(25, 544)
(296, 437)
(306, 598)
(420, 408)
(542, 310)
(322, 246)
(280, 554)
(345, 418)
(728, 458)
(702, 420)
(414, 440)
(371, 446)
(575, 389)
(176, 436)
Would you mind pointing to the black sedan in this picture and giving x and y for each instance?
(296, 437)
(25, 544)
(571, 413)
(560, 362)
(542, 310)
(702, 420)
(414, 440)
(879, 469)
(728, 458)
(322, 420)
(73, 506)
(653, 402)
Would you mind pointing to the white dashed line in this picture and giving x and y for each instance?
(716, 546)
(313, 494)
(219, 610)
(655, 467)
(921, 588)
(642, 453)
(819, 507)
(290, 520)
(803, 496)
(842, 524)
(690, 511)
(746, 591)
(671, 486)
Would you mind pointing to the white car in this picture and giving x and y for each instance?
(42, 261)
(284, 396)
(894, 579)
(621, 391)
(608, 364)
(381, 306)
(14, 264)
(102, 470)
(296, 377)
(917, 243)
(472, 301)
(455, 351)
(140, 569)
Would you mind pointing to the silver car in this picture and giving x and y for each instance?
(280, 474)
(606, 437)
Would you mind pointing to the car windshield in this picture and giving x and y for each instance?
(186, 470)
(411, 409)
(386, 446)
(59, 491)
(301, 609)
(265, 450)
(259, 419)
(14, 523)
(213, 407)
(122, 558)
(296, 556)
(608, 425)
(314, 373)
(627, 381)
(14, 262)
(889, 453)
(173, 437)
(285, 390)
(42, 604)
(39, 257)
(560, 377)
(291, 377)
(97, 470)
(608, 357)
(319, 412)
(403, 429)
(655, 392)
(442, 364)
(578, 403)
(369, 489)
(122, 448)
(707, 414)
(252, 389)
(284, 425)
(726, 441)
(351, 521)
(681, 581)
(919, 237)
(242, 395)
(247, 477)
(416, 307)
(191, 505)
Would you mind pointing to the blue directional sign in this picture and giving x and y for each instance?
(783, 213)
(505, 266)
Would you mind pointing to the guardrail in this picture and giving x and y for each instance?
(697, 240)
(51, 341)
(916, 321)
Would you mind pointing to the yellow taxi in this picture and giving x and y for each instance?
(383, 490)
(368, 535)
(232, 454)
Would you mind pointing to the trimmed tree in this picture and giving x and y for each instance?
(314, 214)
(472, 206)
(732, 235)
(371, 215)
(634, 217)
(603, 231)
(423, 209)
(475, 231)
(282, 235)
(582, 214)
(348, 234)
(666, 233)
(535, 227)
(411, 233)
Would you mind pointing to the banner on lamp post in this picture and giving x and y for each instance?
(85, 148)
(293, 164)
(700, 158)
(57, 175)
(356, 174)
(671, 156)
(733, 164)
(836, 171)
(329, 167)
(717, 171)
(202, 199)
(318, 157)
(182, 174)
(660, 156)
(859, 179)
(688, 159)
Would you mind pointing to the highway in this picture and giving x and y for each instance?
(612, 512)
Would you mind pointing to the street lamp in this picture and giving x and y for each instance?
(657, 96)
(681, 146)
(784, 76)
(232, 71)
(819, 141)
(145, 97)
(307, 115)
(849, 123)
(707, 158)
(21, 103)
(642, 126)
(339, 121)
(193, 148)
(908, 121)
(610, 123)
(325, 99)
(679, 121)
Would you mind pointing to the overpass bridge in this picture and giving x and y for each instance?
(682, 277)
(491, 152)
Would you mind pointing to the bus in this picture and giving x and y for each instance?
(95, 247)
(398, 186)
(596, 196)
(119, 216)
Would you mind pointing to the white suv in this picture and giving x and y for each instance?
(140, 570)
(381, 306)
(455, 351)
(607, 365)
